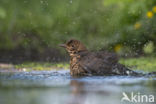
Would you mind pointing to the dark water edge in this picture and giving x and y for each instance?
(58, 87)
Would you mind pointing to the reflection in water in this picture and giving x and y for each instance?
(78, 92)
(83, 92)
(58, 87)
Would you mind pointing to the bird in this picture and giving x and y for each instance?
(86, 63)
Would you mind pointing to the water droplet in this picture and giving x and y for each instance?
(71, 1)
(25, 1)
(41, 2)
(74, 23)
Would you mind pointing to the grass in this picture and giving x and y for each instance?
(28, 66)
(147, 64)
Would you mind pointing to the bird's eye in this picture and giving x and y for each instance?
(72, 45)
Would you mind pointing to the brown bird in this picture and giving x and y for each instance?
(84, 62)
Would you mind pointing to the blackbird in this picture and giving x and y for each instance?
(84, 62)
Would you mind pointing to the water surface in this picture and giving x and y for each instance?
(58, 87)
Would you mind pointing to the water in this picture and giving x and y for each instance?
(58, 87)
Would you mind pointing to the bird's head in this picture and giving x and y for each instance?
(73, 47)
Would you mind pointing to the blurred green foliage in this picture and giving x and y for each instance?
(147, 64)
(98, 23)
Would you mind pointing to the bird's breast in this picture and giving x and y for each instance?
(75, 68)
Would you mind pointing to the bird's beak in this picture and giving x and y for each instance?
(62, 45)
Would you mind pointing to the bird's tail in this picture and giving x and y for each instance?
(152, 74)
(123, 70)
(120, 69)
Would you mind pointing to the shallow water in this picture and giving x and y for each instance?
(58, 87)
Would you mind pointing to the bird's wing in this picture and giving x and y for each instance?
(108, 57)
(93, 64)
